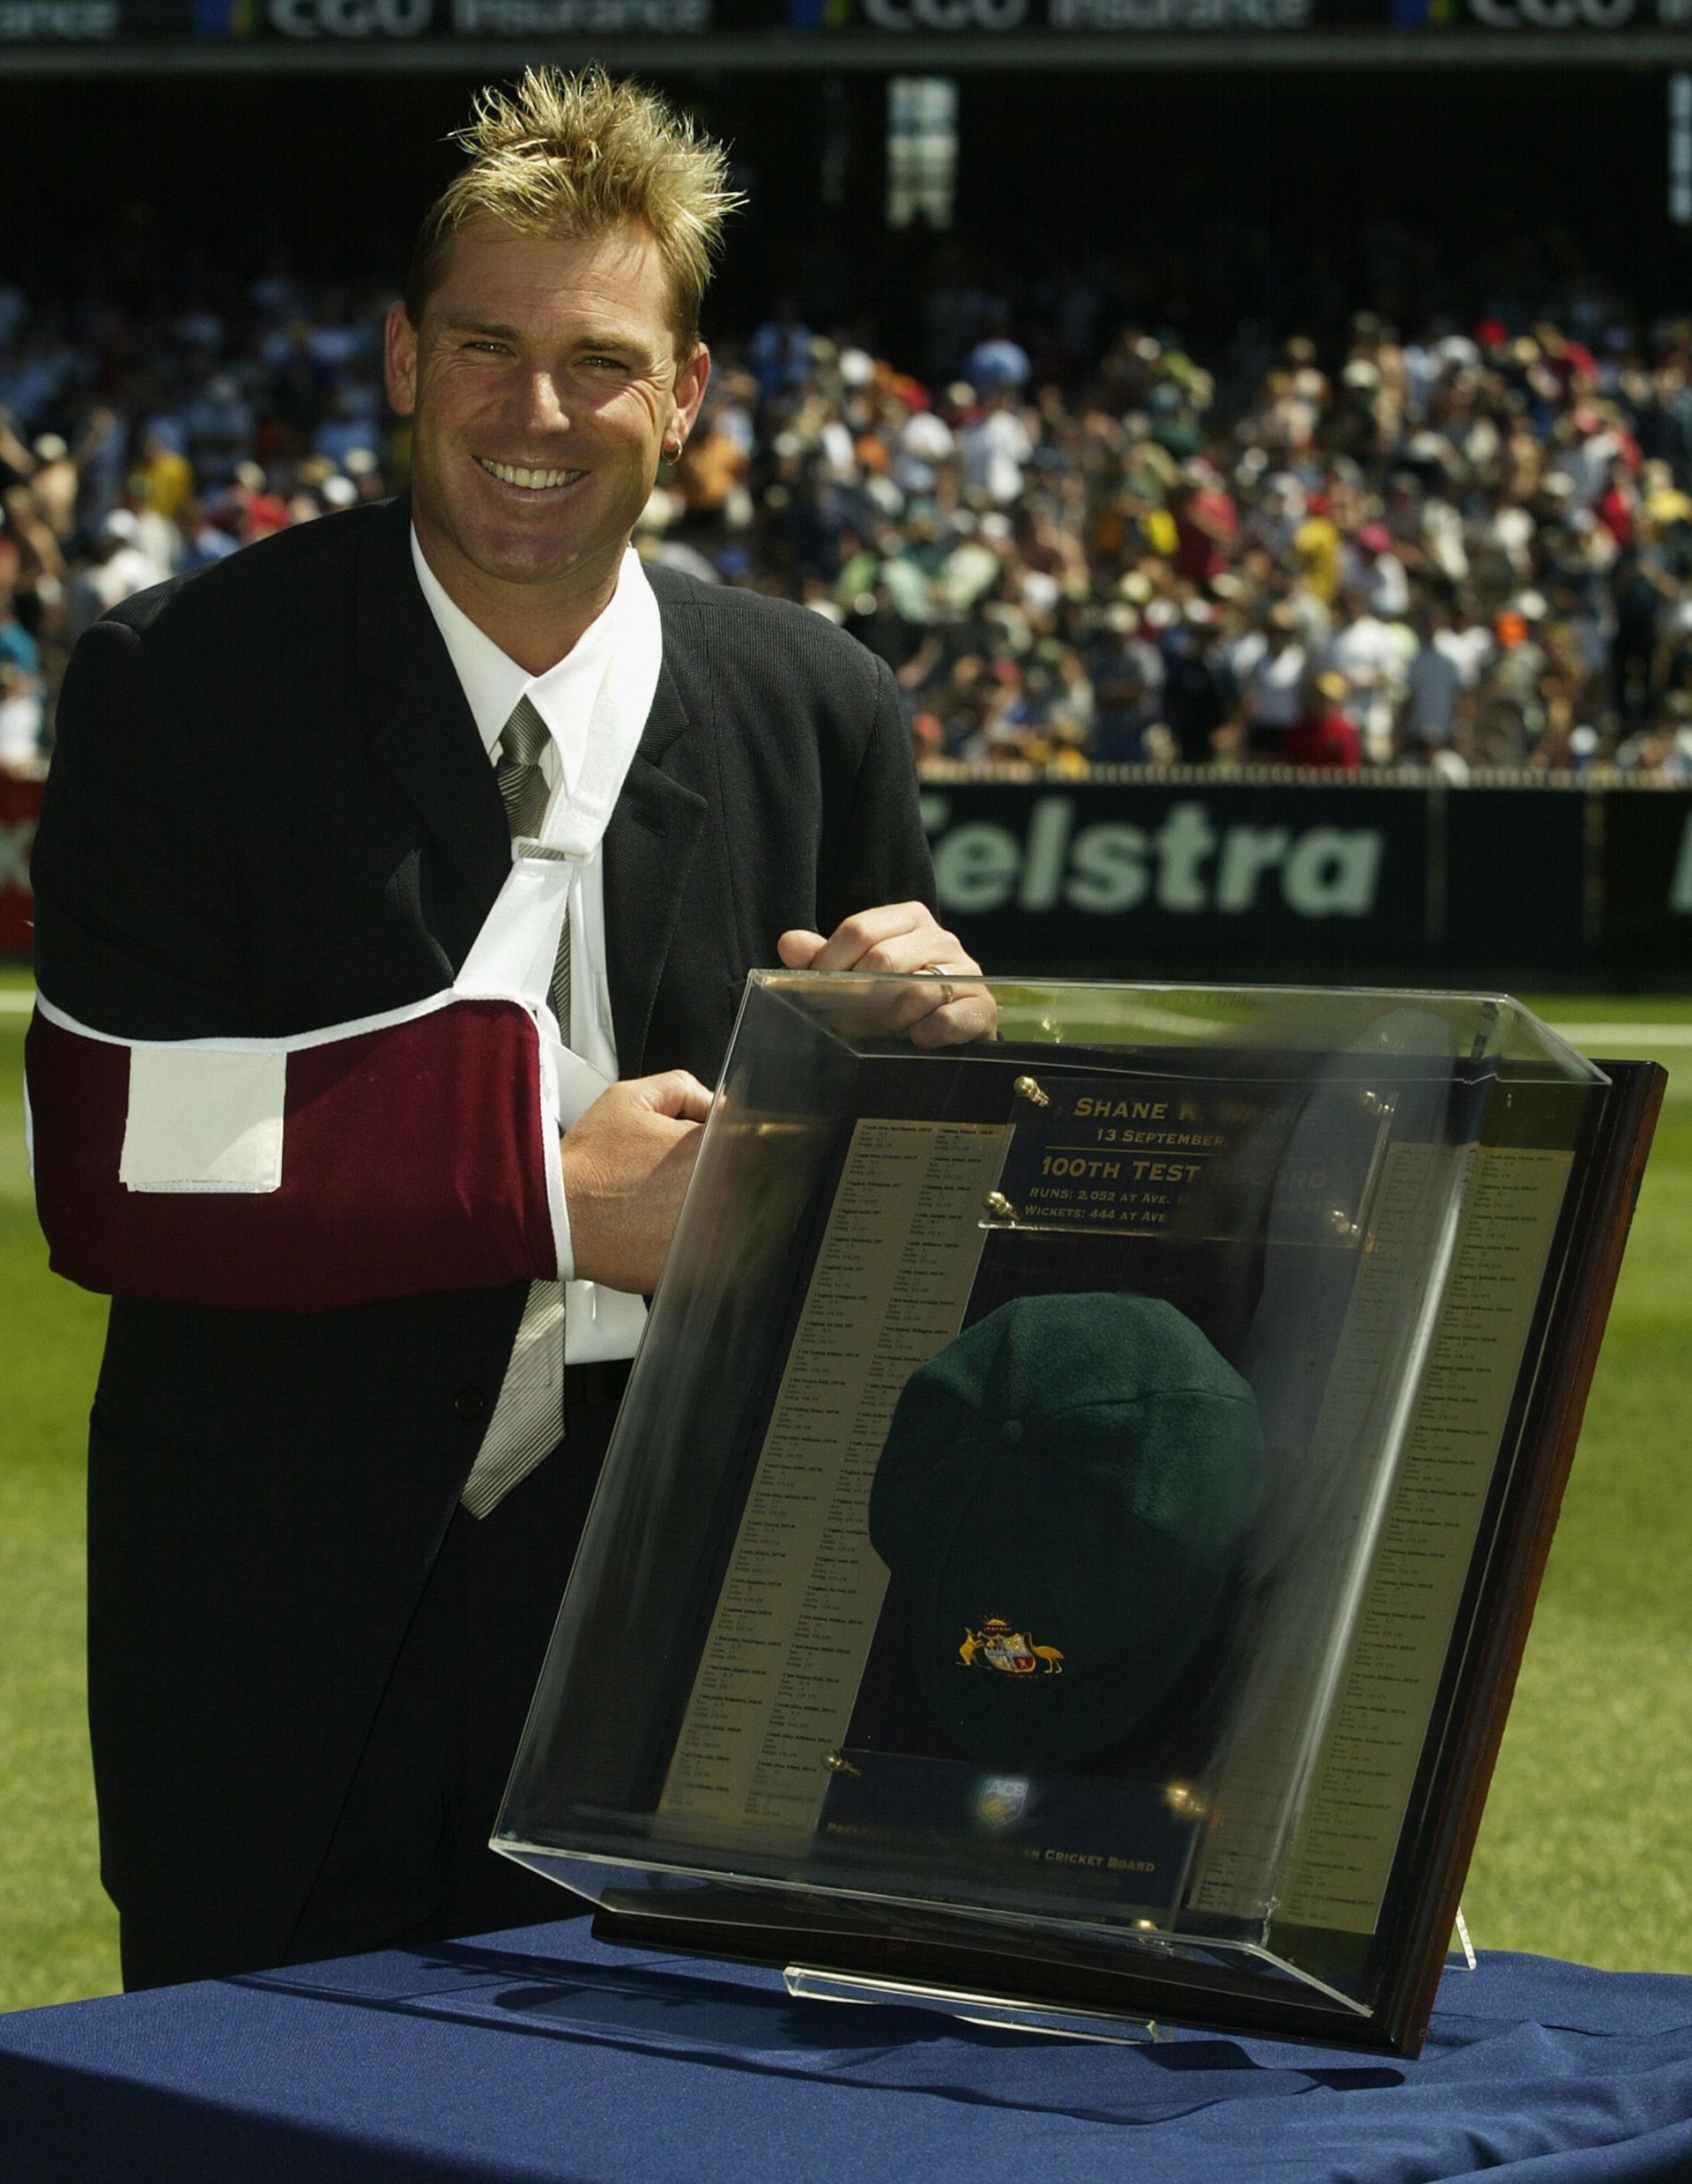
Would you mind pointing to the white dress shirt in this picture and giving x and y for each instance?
(563, 696)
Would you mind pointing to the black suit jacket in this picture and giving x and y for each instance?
(270, 811)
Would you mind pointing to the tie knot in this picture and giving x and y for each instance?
(522, 783)
(524, 736)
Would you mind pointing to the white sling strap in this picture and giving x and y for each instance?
(515, 953)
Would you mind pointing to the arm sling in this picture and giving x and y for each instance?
(413, 1150)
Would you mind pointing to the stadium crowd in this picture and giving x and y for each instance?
(1078, 538)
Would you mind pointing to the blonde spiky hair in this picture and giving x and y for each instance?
(572, 155)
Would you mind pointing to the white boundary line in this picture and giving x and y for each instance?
(1591, 1038)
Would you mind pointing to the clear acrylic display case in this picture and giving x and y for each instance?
(1073, 1521)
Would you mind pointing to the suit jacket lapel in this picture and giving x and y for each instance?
(421, 728)
(647, 844)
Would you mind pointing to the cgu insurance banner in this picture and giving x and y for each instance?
(984, 20)
(369, 28)
(796, 32)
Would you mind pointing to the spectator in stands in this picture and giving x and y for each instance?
(1427, 757)
(1368, 655)
(1200, 695)
(1437, 696)
(1206, 523)
(116, 569)
(1323, 735)
(221, 422)
(711, 477)
(1665, 749)
(204, 539)
(1127, 676)
(993, 446)
(1268, 666)
(21, 685)
(101, 449)
(161, 478)
(1318, 549)
(1374, 573)
(997, 364)
(54, 484)
(39, 580)
(1509, 706)
(1641, 587)
(780, 352)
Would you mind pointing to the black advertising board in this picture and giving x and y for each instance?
(1511, 882)
(1195, 878)
(1645, 885)
(1198, 876)
(1202, 877)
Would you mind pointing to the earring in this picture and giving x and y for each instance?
(673, 455)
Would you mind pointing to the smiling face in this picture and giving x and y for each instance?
(542, 384)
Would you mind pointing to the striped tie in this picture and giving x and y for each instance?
(523, 741)
(528, 1421)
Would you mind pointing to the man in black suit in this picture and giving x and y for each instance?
(282, 805)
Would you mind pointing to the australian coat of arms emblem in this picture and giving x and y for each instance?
(1013, 1652)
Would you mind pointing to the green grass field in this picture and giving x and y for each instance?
(1583, 1850)
(58, 1934)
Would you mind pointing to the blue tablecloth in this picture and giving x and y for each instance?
(543, 2055)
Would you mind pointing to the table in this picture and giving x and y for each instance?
(543, 2055)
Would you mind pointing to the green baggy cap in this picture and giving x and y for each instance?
(1059, 1499)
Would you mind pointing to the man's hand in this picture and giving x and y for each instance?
(938, 1009)
(626, 1166)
